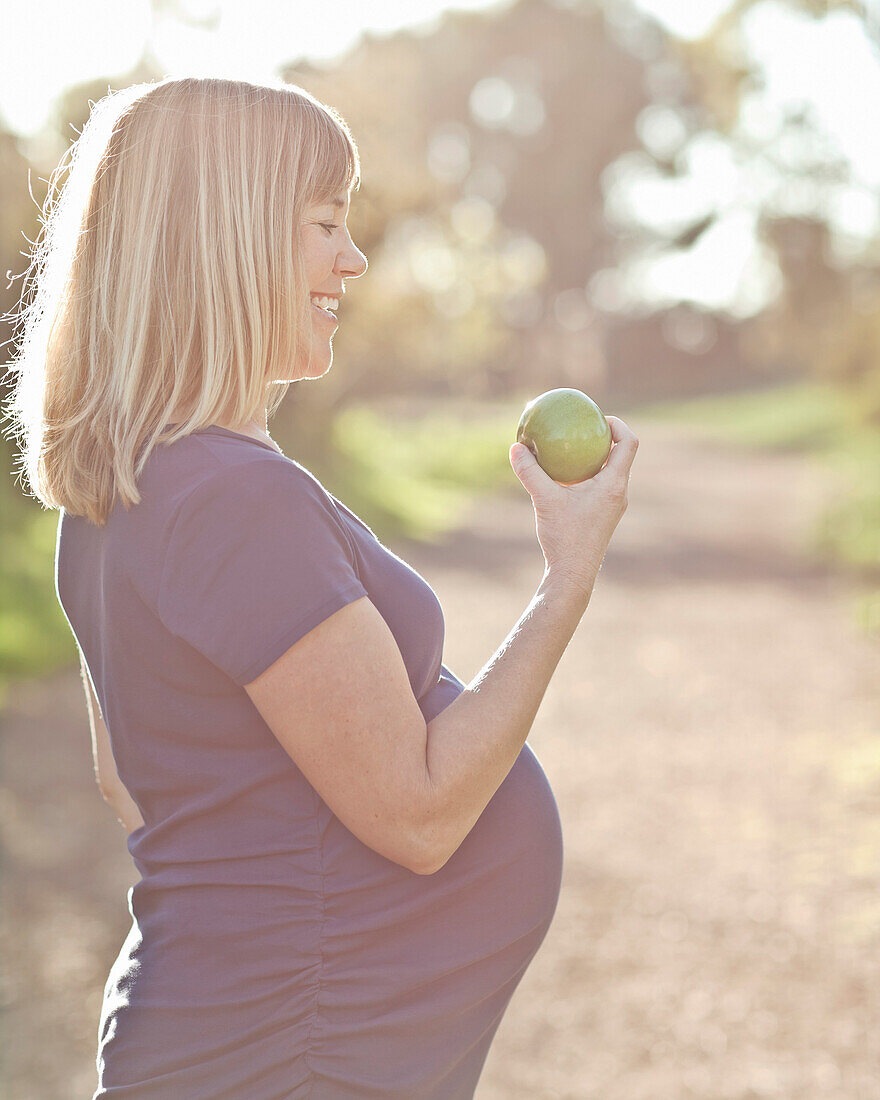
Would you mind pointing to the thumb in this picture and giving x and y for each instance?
(526, 467)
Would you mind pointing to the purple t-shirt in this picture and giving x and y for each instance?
(271, 953)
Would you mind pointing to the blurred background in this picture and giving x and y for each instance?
(672, 206)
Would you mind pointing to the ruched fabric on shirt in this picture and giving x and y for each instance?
(271, 953)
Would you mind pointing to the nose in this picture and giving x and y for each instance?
(351, 263)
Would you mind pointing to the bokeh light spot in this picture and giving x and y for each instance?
(492, 101)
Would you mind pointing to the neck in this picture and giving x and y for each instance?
(252, 428)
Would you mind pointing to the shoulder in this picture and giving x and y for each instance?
(254, 482)
(241, 506)
(194, 462)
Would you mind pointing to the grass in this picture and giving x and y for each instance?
(805, 417)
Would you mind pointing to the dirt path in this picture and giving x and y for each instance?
(711, 736)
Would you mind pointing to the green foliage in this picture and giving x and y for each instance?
(850, 530)
(809, 417)
(34, 634)
(448, 445)
(415, 476)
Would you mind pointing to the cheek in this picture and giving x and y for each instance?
(318, 254)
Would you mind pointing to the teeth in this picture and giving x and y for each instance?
(326, 304)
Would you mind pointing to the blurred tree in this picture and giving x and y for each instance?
(824, 316)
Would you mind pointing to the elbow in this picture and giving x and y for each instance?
(420, 857)
(430, 848)
(430, 868)
(431, 852)
(433, 860)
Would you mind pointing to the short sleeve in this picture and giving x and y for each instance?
(257, 556)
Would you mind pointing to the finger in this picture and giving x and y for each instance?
(527, 469)
(623, 450)
(619, 428)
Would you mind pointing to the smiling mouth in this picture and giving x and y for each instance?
(326, 303)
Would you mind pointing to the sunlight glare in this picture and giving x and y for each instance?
(685, 18)
(87, 39)
(727, 269)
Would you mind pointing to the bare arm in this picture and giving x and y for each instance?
(475, 741)
(361, 749)
(111, 786)
(126, 809)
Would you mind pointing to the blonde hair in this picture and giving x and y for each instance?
(168, 276)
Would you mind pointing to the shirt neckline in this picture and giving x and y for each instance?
(235, 435)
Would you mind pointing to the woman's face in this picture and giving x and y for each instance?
(331, 256)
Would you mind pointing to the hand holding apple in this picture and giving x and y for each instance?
(574, 523)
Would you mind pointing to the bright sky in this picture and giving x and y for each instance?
(251, 38)
(90, 38)
(826, 64)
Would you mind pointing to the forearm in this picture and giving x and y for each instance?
(474, 742)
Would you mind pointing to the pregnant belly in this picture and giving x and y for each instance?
(517, 844)
(461, 936)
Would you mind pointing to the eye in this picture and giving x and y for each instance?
(329, 226)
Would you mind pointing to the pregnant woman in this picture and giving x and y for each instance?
(347, 857)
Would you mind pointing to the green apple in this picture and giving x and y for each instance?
(567, 433)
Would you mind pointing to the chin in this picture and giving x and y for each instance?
(319, 365)
(315, 368)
